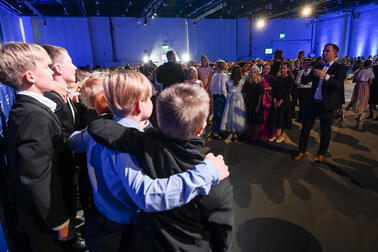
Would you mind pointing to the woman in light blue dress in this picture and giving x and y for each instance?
(233, 119)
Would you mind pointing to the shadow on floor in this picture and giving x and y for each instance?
(275, 235)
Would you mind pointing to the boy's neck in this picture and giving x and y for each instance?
(59, 79)
(34, 89)
(137, 119)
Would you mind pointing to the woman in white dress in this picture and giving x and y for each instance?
(233, 119)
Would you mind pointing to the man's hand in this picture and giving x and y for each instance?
(63, 233)
(319, 73)
(218, 162)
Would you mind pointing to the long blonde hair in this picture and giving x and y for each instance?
(257, 78)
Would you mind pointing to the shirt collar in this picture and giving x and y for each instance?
(42, 99)
(127, 122)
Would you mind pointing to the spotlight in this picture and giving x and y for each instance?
(145, 58)
(145, 21)
(260, 23)
(306, 11)
(185, 57)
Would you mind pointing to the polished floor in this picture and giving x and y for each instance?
(296, 206)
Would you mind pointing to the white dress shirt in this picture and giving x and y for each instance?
(42, 99)
(318, 93)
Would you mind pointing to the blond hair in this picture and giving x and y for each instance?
(124, 88)
(181, 110)
(55, 52)
(15, 59)
(257, 78)
(91, 87)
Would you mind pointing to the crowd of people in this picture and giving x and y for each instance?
(124, 144)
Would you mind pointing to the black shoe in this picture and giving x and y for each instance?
(376, 119)
(371, 116)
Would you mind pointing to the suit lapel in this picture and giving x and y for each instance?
(25, 98)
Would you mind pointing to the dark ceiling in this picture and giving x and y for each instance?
(191, 9)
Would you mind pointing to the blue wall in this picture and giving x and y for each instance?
(297, 37)
(89, 39)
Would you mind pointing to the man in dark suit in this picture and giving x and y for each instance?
(171, 72)
(325, 97)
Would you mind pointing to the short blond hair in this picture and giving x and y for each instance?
(91, 87)
(124, 88)
(181, 110)
(55, 52)
(15, 59)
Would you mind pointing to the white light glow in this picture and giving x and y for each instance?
(306, 11)
(145, 58)
(260, 23)
(185, 57)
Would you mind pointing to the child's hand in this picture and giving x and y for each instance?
(63, 233)
(219, 164)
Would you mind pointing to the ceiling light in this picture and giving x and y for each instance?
(306, 11)
(260, 23)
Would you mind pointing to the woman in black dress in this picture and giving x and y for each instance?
(280, 113)
(253, 93)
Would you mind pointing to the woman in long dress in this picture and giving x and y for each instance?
(233, 119)
(265, 131)
(360, 97)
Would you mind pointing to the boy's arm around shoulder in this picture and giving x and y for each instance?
(115, 136)
(79, 141)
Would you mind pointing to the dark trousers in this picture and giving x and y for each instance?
(312, 111)
(33, 238)
(219, 104)
(104, 235)
(294, 99)
(302, 97)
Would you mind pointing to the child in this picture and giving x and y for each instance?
(34, 147)
(193, 77)
(266, 81)
(281, 88)
(120, 188)
(205, 223)
(253, 93)
(233, 119)
(218, 89)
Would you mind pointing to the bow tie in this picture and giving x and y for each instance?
(326, 64)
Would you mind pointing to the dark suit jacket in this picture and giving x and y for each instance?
(170, 73)
(34, 146)
(64, 113)
(332, 90)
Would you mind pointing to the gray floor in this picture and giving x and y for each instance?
(285, 205)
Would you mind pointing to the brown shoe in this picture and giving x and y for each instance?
(319, 159)
(299, 156)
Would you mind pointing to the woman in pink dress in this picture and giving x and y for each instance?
(205, 73)
(265, 132)
(360, 97)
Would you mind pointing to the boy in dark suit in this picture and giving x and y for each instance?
(34, 147)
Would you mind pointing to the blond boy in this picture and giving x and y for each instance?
(176, 147)
(34, 137)
(119, 184)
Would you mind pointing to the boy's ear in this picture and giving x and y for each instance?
(29, 77)
(57, 68)
(200, 130)
(138, 107)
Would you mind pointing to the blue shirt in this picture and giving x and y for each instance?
(121, 190)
